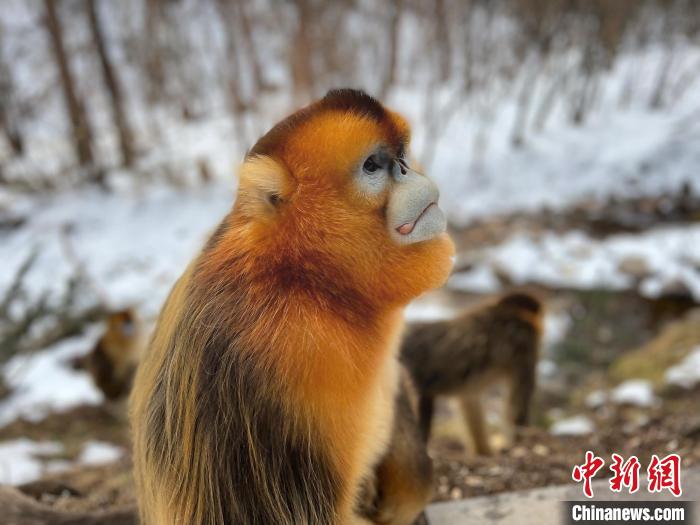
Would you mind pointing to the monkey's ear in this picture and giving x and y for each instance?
(263, 186)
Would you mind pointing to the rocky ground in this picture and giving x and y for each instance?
(539, 459)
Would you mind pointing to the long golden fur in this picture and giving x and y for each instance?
(266, 395)
(402, 484)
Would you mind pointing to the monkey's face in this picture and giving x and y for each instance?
(334, 177)
(383, 178)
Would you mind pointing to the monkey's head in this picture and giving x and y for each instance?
(329, 191)
(526, 306)
(122, 324)
(522, 301)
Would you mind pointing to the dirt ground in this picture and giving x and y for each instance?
(540, 459)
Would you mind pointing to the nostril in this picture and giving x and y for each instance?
(402, 165)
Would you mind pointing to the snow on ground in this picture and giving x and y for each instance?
(572, 426)
(99, 453)
(44, 382)
(19, 462)
(597, 399)
(671, 255)
(132, 243)
(24, 460)
(618, 151)
(428, 310)
(556, 326)
(634, 392)
(686, 374)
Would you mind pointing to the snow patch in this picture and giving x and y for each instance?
(44, 382)
(18, 461)
(634, 392)
(480, 279)
(596, 399)
(556, 326)
(426, 311)
(99, 453)
(573, 426)
(686, 374)
(547, 368)
(576, 260)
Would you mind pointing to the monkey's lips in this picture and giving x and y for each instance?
(408, 227)
(429, 223)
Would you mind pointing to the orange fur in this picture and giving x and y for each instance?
(304, 285)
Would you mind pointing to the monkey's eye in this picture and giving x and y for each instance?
(371, 165)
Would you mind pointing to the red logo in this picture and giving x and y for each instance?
(665, 474)
(587, 471)
(625, 474)
(661, 474)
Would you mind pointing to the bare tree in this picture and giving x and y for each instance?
(302, 71)
(235, 96)
(249, 44)
(82, 135)
(119, 116)
(153, 70)
(442, 40)
(393, 45)
(9, 123)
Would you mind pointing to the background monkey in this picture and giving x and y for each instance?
(113, 361)
(460, 357)
(267, 392)
(402, 484)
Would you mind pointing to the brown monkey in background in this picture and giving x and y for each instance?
(402, 483)
(113, 361)
(461, 357)
(267, 393)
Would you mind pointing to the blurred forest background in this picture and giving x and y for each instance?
(564, 135)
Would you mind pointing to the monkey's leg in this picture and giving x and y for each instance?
(426, 406)
(522, 388)
(474, 417)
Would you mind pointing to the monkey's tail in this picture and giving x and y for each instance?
(19, 509)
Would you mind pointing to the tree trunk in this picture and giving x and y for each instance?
(154, 69)
(393, 47)
(302, 71)
(121, 122)
(237, 102)
(82, 135)
(527, 91)
(442, 37)
(247, 33)
(9, 123)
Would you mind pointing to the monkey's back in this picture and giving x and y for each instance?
(212, 444)
(445, 356)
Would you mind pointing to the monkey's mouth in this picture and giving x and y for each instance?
(407, 228)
